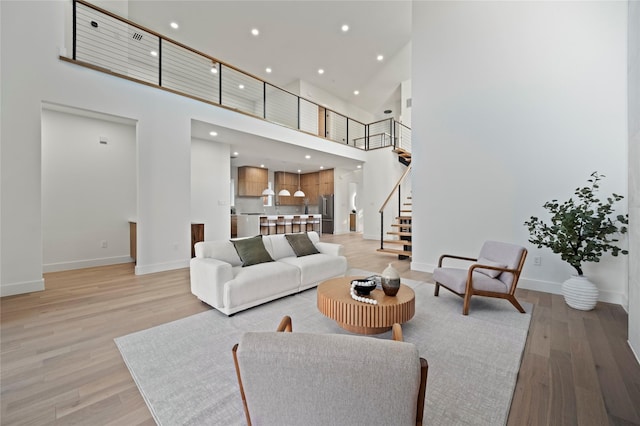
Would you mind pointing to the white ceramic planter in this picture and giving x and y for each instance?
(580, 293)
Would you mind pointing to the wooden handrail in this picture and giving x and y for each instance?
(395, 188)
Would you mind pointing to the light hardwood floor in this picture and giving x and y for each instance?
(59, 364)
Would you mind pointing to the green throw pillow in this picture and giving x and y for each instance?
(252, 251)
(301, 244)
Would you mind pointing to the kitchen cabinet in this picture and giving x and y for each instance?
(234, 226)
(326, 182)
(288, 181)
(310, 186)
(252, 181)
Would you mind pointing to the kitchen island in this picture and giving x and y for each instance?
(249, 224)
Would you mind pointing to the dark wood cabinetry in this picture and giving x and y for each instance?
(252, 181)
(312, 184)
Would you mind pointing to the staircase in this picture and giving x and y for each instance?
(401, 229)
(404, 156)
(398, 241)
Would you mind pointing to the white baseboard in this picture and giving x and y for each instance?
(422, 267)
(89, 263)
(161, 267)
(21, 288)
(633, 351)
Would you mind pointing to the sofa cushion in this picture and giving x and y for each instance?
(261, 282)
(277, 246)
(252, 251)
(456, 280)
(489, 272)
(301, 244)
(317, 267)
(222, 250)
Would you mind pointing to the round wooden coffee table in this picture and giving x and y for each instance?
(335, 302)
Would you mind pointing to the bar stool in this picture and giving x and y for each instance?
(282, 224)
(267, 224)
(312, 223)
(300, 221)
(317, 222)
(288, 223)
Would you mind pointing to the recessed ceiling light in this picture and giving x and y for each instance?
(262, 165)
(321, 167)
(345, 28)
(307, 156)
(380, 57)
(268, 70)
(320, 71)
(255, 32)
(359, 166)
(235, 153)
(356, 92)
(213, 133)
(174, 25)
(240, 86)
(299, 171)
(154, 53)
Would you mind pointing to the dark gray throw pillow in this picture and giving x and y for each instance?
(301, 244)
(252, 251)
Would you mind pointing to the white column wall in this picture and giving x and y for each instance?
(210, 188)
(515, 104)
(634, 176)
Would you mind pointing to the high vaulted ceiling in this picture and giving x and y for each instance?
(296, 39)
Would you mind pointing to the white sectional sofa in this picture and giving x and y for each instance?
(219, 279)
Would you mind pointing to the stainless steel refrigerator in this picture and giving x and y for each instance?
(325, 207)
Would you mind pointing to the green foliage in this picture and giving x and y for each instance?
(580, 230)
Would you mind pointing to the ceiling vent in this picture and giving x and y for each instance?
(409, 102)
(137, 36)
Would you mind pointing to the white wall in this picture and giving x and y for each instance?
(376, 186)
(88, 190)
(516, 103)
(634, 176)
(210, 183)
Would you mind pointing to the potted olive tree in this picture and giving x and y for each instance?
(581, 230)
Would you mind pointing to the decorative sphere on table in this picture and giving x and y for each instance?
(390, 280)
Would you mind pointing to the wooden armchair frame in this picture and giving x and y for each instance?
(396, 334)
(470, 290)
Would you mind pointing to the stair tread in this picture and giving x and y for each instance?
(402, 234)
(401, 225)
(404, 217)
(401, 242)
(392, 251)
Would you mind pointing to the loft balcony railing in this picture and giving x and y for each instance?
(109, 43)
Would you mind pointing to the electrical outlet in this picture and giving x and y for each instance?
(104, 244)
(537, 261)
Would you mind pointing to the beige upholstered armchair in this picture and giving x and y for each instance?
(494, 273)
(329, 379)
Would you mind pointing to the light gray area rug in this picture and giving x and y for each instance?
(184, 369)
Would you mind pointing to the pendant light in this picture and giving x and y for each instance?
(268, 191)
(298, 193)
(284, 192)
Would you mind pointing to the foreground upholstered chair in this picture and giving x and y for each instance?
(494, 273)
(329, 379)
